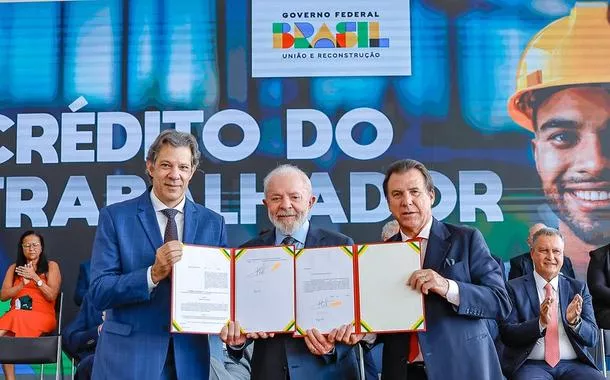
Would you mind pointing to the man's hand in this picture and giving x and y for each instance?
(427, 280)
(317, 343)
(231, 334)
(545, 312)
(344, 334)
(574, 309)
(167, 255)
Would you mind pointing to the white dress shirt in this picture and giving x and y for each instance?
(162, 222)
(566, 351)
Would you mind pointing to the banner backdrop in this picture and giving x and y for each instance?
(86, 86)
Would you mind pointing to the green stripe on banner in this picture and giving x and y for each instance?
(414, 246)
(366, 326)
(176, 325)
(239, 253)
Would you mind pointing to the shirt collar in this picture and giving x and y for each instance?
(158, 205)
(300, 235)
(423, 234)
(541, 282)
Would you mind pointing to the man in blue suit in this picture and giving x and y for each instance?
(289, 198)
(552, 322)
(136, 244)
(461, 283)
(522, 264)
(79, 338)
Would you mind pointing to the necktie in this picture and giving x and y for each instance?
(551, 338)
(289, 240)
(171, 229)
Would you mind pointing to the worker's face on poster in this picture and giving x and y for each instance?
(572, 152)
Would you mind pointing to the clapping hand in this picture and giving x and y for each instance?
(27, 272)
(574, 309)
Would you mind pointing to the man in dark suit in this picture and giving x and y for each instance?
(598, 278)
(136, 244)
(79, 338)
(82, 283)
(522, 264)
(461, 283)
(552, 323)
(289, 199)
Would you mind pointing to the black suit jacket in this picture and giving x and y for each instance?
(275, 357)
(520, 331)
(598, 279)
(523, 264)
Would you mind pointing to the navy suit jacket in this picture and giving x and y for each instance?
(274, 357)
(82, 283)
(80, 336)
(523, 264)
(457, 343)
(521, 330)
(135, 337)
(598, 279)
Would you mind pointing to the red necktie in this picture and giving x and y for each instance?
(551, 338)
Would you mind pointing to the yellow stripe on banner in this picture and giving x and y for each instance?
(366, 326)
(298, 252)
(289, 250)
(226, 253)
(289, 326)
(417, 323)
(239, 253)
(362, 249)
(415, 246)
(176, 325)
(348, 251)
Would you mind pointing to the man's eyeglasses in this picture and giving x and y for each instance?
(30, 245)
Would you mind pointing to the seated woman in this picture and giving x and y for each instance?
(32, 284)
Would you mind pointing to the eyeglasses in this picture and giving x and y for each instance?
(30, 245)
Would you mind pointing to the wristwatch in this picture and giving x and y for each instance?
(39, 283)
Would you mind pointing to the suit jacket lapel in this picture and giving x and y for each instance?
(191, 222)
(564, 297)
(268, 238)
(312, 239)
(146, 214)
(438, 246)
(532, 293)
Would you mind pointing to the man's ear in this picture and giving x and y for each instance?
(149, 166)
(312, 201)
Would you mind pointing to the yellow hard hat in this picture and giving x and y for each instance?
(572, 50)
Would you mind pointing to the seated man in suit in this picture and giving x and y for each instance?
(598, 278)
(289, 199)
(522, 264)
(82, 283)
(80, 338)
(552, 323)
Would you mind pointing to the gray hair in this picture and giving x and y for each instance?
(389, 229)
(546, 231)
(176, 139)
(284, 170)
